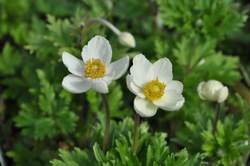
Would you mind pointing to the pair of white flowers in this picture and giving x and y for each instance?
(152, 84)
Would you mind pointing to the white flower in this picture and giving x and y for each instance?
(212, 90)
(153, 86)
(126, 39)
(94, 70)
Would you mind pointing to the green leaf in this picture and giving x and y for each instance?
(10, 60)
(75, 158)
(48, 114)
(98, 153)
(220, 67)
(210, 18)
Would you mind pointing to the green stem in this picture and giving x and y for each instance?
(218, 109)
(107, 122)
(104, 22)
(2, 162)
(136, 132)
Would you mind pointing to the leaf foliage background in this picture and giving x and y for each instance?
(42, 124)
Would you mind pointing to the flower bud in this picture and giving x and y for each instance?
(127, 39)
(159, 21)
(212, 90)
(199, 23)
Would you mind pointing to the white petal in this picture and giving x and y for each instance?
(179, 104)
(127, 39)
(98, 48)
(200, 90)
(85, 55)
(118, 68)
(162, 69)
(175, 85)
(144, 107)
(100, 86)
(107, 79)
(222, 94)
(134, 88)
(74, 65)
(75, 84)
(170, 101)
(140, 69)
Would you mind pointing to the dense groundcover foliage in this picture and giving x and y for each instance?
(42, 124)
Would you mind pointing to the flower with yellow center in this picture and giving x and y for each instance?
(95, 70)
(154, 90)
(154, 86)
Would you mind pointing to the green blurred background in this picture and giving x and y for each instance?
(37, 117)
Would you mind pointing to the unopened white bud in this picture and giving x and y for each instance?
(212, 90)
(201, 62)
(222, 94)
(127, 39)
(199, 23)
(159, 21)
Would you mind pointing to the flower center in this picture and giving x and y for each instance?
(94, 68)
(154, 90)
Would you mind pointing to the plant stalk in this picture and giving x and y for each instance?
(136, 132)
(2, 162)
(217, 115)
(105, 23)
(107, 122)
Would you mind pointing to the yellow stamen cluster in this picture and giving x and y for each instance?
(154, 90)
(94, 68)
